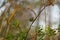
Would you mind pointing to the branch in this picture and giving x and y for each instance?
(34, 21)
(4, 17)
(11, 16)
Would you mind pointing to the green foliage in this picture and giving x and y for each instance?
(21, 35)
(40, 33)
(10, 36)
(15, 23)
(15, 32)
(16, 36)
(59, 28)
(49, 31)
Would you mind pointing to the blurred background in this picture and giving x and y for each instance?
(29, 19)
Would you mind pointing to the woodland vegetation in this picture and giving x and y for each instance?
(18, 17)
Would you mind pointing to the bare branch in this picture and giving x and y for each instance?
(34, 21)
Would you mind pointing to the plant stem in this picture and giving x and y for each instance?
(33, 22)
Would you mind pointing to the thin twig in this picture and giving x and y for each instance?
(11, 16)
(8, 23)
(4, 17)
(34, 21)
